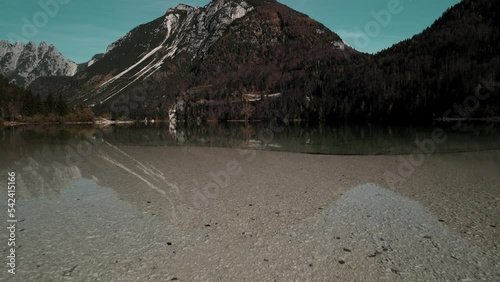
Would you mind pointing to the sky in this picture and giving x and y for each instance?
(81, 28)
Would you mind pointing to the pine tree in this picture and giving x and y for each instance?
(50, 104)
(61, 107)
(38, 105)
(28, 104)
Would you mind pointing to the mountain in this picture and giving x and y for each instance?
(226, 52)
(95, 58)
(434, 74)
(260, 59)
(22, 64)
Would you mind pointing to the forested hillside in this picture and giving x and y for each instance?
(267, 61)
(422, 77)
(18, 104)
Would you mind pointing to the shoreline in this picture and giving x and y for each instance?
(488, 119)
(105, 122)
(95, 122)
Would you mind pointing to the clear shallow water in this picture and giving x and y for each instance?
(50, 158)
(103, 202)
(336, 140)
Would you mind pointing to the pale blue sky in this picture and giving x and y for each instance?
(82, 28)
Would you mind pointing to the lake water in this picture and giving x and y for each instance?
(153, 203)
(320, 139)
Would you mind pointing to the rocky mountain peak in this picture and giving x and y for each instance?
(181, 7)
(23, 63)
(229, 41)
(259, 59)
(31, 45)
(43, 47)
(184, 31)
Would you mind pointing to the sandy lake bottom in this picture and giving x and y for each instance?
(138, 213)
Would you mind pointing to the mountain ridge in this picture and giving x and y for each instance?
(160, 57)
(23, 63)
(274, 62)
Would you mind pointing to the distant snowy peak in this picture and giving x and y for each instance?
(23, 63)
